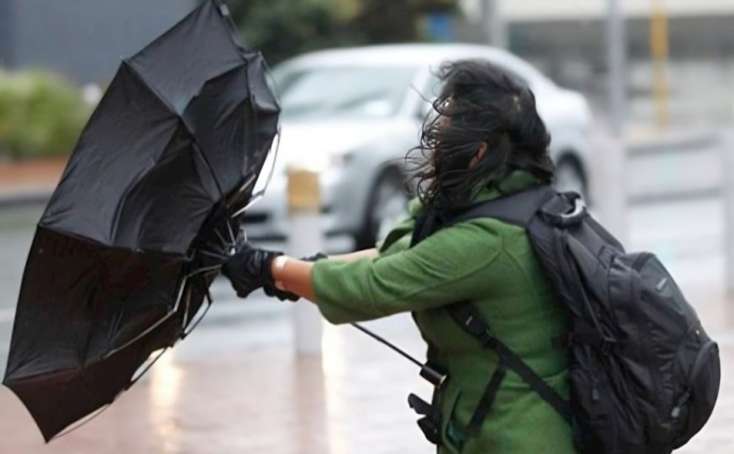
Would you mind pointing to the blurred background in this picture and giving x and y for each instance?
(637, 95)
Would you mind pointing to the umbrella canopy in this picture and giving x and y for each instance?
(115, 271)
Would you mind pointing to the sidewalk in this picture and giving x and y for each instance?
(256, 400)
(265, 399)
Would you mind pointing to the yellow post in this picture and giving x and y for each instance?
(659, 52)
(303, 191)
(305, 239)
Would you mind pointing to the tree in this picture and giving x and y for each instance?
(283, 28)
(388, 21)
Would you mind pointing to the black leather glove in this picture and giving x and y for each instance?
(314, 258)
(283, 295)
(249, 269)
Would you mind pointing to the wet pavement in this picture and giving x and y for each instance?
(235, 386)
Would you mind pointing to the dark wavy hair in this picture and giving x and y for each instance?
(479, 102)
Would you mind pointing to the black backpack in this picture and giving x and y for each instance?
(644, 374)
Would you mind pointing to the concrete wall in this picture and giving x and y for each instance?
(84, 39)
(690, 37)
(545, 10)
(6, 33)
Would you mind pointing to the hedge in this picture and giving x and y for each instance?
(40, 115)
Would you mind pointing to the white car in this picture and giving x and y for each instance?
(353, 114)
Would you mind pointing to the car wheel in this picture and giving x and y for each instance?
(387, 204)
(570, 177)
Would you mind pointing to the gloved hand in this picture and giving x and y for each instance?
(314, 258)
(249, 269)
(283, 295)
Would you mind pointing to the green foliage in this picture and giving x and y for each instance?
(40, 115)
(390, 21)
(284, 28)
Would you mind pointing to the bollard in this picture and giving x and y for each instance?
(727, 155)
(305, 239)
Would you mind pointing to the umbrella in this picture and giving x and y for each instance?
(124, 252)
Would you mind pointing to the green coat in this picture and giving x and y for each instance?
(490, 263)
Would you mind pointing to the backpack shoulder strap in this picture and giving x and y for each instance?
(470, 320)
(517, 208)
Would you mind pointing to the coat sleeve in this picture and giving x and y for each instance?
(449, 266)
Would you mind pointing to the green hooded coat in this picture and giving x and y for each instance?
(491, 264)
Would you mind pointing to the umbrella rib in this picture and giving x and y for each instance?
(198, 320)
(147, 367)
(182, 121)
(213, 254)
(259, 194)
(166, 316)
(130, 187)
(83, 422)
(154, 325)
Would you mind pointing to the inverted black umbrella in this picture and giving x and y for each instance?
(120, 262)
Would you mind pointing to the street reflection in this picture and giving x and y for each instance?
(165, 388)
(334, 367)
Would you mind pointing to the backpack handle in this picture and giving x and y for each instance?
(565, 210)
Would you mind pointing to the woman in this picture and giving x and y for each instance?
(487, 140)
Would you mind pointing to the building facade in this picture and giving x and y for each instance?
(83, 40)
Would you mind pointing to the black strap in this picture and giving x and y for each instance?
(430, 423)
(485, 403)
(517, 208)
(548, 394)
(467, 316)
(420, 406)
(425, 225)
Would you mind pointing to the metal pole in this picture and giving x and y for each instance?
(659, 51)
(728, 162)
(493, 25)
(305, 239)
(616, 57)
(608, 181)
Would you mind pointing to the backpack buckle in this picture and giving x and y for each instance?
(429, 423)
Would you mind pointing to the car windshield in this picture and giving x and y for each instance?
(355, 91)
